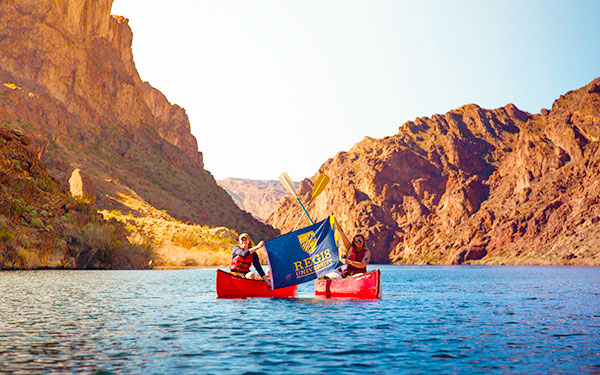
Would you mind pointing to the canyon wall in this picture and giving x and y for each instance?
(69, 81)
(498, 186)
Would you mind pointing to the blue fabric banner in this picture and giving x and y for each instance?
(304, 255)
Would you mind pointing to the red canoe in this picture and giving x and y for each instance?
(231, 286)
(367, 286)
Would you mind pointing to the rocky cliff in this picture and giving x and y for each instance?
(41, 225)
(258, 197)
(473, 185)
(68, 80)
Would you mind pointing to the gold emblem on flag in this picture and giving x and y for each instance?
(308, 241)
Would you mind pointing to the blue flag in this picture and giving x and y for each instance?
(304, 255)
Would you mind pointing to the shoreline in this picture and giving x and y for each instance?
(163, 268)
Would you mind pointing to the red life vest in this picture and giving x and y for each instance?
(356, 256)
(241, 264)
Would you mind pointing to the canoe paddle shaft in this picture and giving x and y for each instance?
(288, 184)
(318, 187)
(301, 205)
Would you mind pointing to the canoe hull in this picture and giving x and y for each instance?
(231, 286)
(367, 286)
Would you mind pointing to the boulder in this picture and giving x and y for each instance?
(222, 232)
(469, 253)
(81, 186)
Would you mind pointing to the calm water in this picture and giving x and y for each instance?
(430, 320)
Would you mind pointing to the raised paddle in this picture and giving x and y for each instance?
(288, 184)
(345, 240)
(318, 187)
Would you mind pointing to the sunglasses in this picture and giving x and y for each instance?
(358, 240)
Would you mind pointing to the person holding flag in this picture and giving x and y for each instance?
(243, 255)
(356, 256)
(356, 262)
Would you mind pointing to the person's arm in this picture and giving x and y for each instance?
(256, 263)
(345, 240)
(363, 263)
(255, 248)
(238, 251)
(367, 258)
(259, 269)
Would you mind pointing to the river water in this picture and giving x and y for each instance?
(431, 319)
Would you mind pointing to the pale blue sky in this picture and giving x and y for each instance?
(274, 85)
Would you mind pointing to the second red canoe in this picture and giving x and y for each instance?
(366, 286)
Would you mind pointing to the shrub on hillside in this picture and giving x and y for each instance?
(186, 237)
(7, 237)
(106, 242)
(29, 258)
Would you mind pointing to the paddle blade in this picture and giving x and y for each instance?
(345, 240)
(320, 184)
(288, 184)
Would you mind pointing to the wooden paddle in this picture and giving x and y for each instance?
(288, 184)
(318, 187)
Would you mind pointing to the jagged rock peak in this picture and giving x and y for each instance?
(498, 186)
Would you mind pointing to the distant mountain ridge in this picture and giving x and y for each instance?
(258, 197)
(498, 186)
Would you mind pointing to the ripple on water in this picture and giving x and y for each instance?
(430, 320)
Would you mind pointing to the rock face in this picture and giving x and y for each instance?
(259, 197)
(41, 226)
(68, 80)
(473, 186)
(82, 186)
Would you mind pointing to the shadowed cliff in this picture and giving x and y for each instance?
(68, 80)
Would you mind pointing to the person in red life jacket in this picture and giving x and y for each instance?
(358, 257)
(243, 255)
